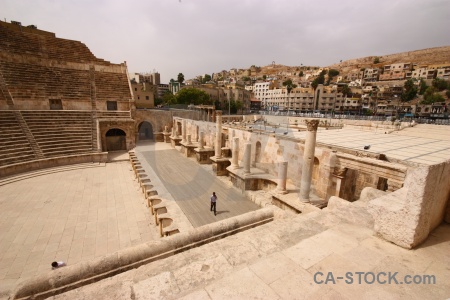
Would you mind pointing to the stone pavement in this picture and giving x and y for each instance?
(191, 185)
(278, 260)
(71, 213)
(424, 144)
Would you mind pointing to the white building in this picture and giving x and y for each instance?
(260, 92)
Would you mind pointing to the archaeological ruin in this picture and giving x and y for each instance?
(301, 195)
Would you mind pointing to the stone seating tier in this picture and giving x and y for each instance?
(108, 114)
(14, 146)
(37, 82)
(45, 46)
(112, 86)
(61, 133)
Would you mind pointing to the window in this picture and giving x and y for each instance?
(147, 98)
(111, 105)
(135, 89)
(55, 104)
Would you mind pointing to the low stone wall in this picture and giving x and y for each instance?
(52, 162)
(71, 277)
(406, 216)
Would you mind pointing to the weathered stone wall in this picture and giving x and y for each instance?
(161, 118)
(272, 150)
(37, 67)
(126, 125)
(406, 216)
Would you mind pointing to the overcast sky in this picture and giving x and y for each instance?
(195, 37)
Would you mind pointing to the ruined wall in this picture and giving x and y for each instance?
(272, 150)
(406, 216)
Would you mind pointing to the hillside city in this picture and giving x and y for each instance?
(402, 89)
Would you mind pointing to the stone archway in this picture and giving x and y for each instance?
(145, 131)
(116, 139)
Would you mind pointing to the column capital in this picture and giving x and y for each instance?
(312, 124)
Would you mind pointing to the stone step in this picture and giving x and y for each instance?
(16, 159)
(15, 152)
(66, 152)
(14, 143)
(66, 145)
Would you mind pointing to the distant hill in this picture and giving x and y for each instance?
(424, 57)
(419, 58)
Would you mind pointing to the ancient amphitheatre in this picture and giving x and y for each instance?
(136, 224)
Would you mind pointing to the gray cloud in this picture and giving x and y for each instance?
(200, 36)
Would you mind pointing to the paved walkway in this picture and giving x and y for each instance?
(191, 185)
(279, 260)
(71, 213)
(421, 144)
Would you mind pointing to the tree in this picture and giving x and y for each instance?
(346, 90)
(300, 74)
(245, 78)
(333, 72)
(264, 77)
(315, 84)
(431, 96)
(235, 106)
(447, 93)
(180, 78)
(318, 80)
(193, 96)
(409, 90)
(289, 86)
(169, 98)
(439, 84)
(159, 101)
(376, 60)
(206, 78)
(422, 86)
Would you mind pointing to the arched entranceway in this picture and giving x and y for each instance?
(145, 130)
(116, 139)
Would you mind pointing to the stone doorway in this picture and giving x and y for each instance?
(145, 130)
(116, 140)
(258, 152)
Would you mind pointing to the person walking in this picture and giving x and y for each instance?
(213, 202)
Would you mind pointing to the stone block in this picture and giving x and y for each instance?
(370, 193)
(352, 212)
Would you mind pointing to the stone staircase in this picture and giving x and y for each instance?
(34, 145)
(14, 145)
(4, 93)
(94, 108)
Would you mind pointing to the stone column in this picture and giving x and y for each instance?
(231, 138)
(235, 153)
(282, 176)
(173, 131)
(308, 159)
(201, 140)
(218, 146)
(247, 157)
(183, 131)
(176, 130)
(188, 139)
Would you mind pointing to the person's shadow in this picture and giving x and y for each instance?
(221, 212)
